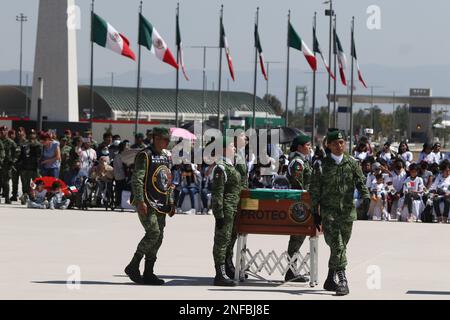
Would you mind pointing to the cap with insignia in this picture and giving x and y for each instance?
(335, 135)
(299, 141)
(161, 132)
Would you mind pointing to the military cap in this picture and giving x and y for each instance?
(335, 135)
(139, 135)
(301, 139)
(161, 131)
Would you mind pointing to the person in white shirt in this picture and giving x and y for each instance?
(398, 177)
(377, 169)
(377, 208)
(426, 154)
(405, 154)
(412, 189)
(87, 156)
(361, 151)
(437, 155)
(441, 193)
(386, 154)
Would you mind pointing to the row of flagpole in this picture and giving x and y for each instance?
(150, 38)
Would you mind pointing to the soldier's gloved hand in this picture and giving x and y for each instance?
(365, 204)
(317, 219)
(220, 222)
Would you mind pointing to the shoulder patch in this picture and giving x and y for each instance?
(219, 171)
(295, 166)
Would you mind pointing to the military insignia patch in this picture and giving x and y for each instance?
(298, 212)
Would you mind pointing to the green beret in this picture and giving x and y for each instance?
(335, 135)
(161, 131)
(301, 140)
(139, 136)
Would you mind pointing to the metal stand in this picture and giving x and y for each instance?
(253, 263)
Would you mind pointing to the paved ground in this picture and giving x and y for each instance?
(38, 247)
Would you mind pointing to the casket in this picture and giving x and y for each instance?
(275, 212)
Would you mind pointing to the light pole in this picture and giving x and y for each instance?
(21, 18)
(112, 84)
(371, 104)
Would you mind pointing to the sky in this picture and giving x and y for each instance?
(412, 33)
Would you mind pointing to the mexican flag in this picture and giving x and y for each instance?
(294, 41)
(260, 51)
(360, 77)
(105, 35)
(150, 38)
(224, 44)
(316, 49)
(341, 58)
(180, 49)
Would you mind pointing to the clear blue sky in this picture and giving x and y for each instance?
(413, 32)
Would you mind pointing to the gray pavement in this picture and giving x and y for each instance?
(40, 251)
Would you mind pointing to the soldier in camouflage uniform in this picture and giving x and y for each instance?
(332, 191)
(66, 161)
(30, 154)
(17, 169)
(241, 167)
(8, 162)
(226, 191)
(299, 175)
(152, 195)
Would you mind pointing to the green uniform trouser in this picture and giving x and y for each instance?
(222, 238)
(233, 238)
(295, 242)
(153, 224)
(15, 182)
(5, 173)
(337, 233)
(26, 177)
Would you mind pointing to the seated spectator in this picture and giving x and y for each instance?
(386, 154)
(426, 154)
(425, 174)
(440, 193)
(405, 154)
(38, 196)
(361, 151)
(190, 184)
(412, 189)
(436, 153)
(103, 175)
(74, 177)
(377, 189)
(57, 199)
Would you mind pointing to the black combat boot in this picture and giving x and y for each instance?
(298, 278)
(149, 277)
(342, 286)
(221, 278)
(13, 198)
(229, 267)
(132, 269)
(330, 284)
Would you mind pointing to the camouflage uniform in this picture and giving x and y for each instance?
(17, 169)
(66, 161)
(10, 148)
(155, 220)
(241, 167)
(333, 190)
(29, 159)
(226, 191)
(299, 176)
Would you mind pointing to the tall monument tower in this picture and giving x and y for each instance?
(56, 62)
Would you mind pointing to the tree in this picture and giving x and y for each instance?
(275, 103)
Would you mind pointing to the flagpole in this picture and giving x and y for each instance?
(351, 88)
(335, 70)
(256, 70)
(331, 13)
(91, 115)
(177, 124)
(314, 82)
(220, 70)
(138, 87)
(286, 119)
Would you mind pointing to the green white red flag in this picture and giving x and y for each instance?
(294, 41)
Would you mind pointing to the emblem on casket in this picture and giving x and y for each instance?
(298, 212)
